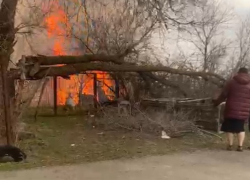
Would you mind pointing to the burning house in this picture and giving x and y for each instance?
(81, 87)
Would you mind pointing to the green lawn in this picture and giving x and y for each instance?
(69, 139)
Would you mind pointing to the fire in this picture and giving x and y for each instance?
(58, 27)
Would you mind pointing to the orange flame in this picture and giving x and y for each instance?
(58, 26)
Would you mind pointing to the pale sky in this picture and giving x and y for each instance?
(240, 3)
(242, 7)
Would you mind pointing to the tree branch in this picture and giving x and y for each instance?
(80, 68)
(55, 60)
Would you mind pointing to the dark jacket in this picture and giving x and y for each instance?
(237, 96)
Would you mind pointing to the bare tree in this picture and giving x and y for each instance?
(242, 52)
(9, 28)
(7, 41)
(206, 33)
(170, 13)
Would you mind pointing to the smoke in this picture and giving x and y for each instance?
(31, 39)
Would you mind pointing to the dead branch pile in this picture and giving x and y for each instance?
(148, 122)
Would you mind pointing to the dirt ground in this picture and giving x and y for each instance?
(209, 165)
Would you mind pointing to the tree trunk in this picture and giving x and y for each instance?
(7, 37)
(4, 110)
(7, 121)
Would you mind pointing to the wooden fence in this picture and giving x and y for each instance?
(201, 110)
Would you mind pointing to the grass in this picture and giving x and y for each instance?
(69, 139)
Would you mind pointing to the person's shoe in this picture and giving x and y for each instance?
(240, 149)
(229, 147)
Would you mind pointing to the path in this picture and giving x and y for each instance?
(196, 166)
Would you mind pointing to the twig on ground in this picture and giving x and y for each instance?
(210, 133)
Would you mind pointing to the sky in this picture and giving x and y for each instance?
(242, 7)
(169, 48)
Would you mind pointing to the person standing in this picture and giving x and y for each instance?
(236, 93)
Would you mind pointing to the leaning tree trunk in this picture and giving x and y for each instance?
(7, 38)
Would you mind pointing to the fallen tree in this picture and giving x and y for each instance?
(39, 67)
(36, 67)
(55, 60)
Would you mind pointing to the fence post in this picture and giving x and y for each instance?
(117, 89)
(55, 94)
(95, 90)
